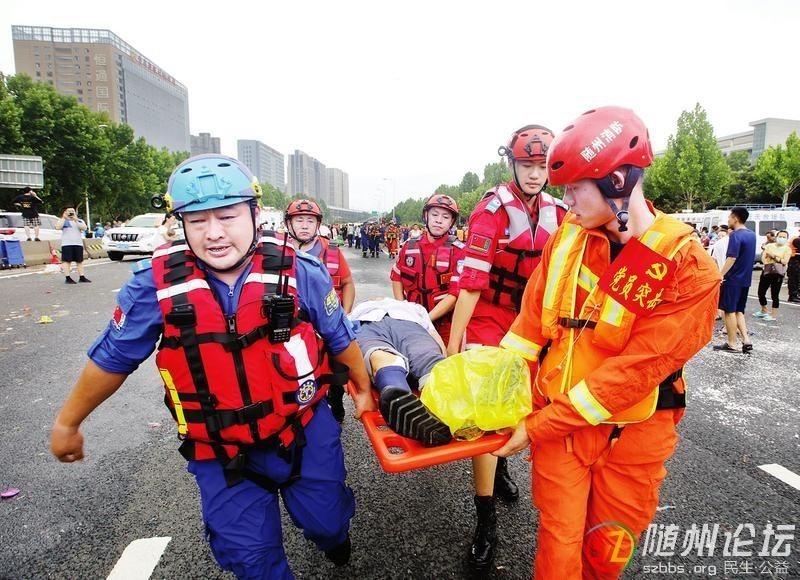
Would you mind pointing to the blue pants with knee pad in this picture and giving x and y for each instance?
(243, 522)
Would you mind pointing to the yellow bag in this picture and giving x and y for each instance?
(483, 389)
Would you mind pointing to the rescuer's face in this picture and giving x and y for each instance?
(587, 203)
(304, 227)
(532, 175)
(220, 237)
(439, 221)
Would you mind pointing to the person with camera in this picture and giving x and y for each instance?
(71, 227)
(243, 324)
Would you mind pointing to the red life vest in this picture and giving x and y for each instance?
(426, 279)
(227, 385)
(520, 251)
(331, 257)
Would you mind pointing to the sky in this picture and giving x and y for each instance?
(405, 96)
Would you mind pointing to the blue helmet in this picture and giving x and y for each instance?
(210, 181)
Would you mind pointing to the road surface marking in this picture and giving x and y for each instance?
(782, 473)
(139, 559)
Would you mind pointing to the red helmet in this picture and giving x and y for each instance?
(530, 142)
(442, 201)
(597, 143)
(303, 207)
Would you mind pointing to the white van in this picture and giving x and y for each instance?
(762, 220)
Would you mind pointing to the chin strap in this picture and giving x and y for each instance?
(611, 192)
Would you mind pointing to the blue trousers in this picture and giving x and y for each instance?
(243, 522)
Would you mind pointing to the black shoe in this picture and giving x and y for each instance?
(37, 239)
(504, 486)
(69, 280)
(481, 552)
(335, 396)
(725, 347)
(340, 555)
(407, 416)
(747, 348)
(84, 280)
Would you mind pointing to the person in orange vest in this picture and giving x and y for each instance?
(392, 239)
(303, 219)
(622, 300)
(506, 234)
(426, 271)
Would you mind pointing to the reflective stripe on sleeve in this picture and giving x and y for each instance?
(525, 348)
(585, 403)
(476, 264)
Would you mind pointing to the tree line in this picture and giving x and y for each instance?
(83, 152)
(692, 173)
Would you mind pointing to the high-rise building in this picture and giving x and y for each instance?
(307, 176)
(204, 143)
(107, 74)
(338, 188)
(265, 162)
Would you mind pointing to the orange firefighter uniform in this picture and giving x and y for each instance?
(609, 389)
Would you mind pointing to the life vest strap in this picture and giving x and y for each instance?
(576, 323)
(668, 398)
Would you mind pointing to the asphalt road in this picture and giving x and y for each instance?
(75, 521)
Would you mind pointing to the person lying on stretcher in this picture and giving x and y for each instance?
(400, 347)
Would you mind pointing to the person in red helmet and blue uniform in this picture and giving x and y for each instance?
(508, 230)
(243, 324)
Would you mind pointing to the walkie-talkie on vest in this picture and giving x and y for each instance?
(279, 307)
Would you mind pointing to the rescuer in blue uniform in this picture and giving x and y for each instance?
(271, 304)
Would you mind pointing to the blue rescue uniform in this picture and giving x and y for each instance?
(243, 522)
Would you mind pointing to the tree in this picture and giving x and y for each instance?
(693, 168)
(469, 182)
(495, 174)
(778, 168)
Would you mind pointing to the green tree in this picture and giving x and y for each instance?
(469, 182)
(738, 160)
(693, 168)
(495, 174)
(778, 168)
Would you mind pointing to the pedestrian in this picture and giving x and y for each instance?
(28, 203)
(303, 220)
(244, 372)
(621, 301)
(793, 272)
(775, 258)
(351, 231)
(71, 227)
(374, 233)
(98, 231)
(426, 272)
(392, 239)
(508, 230)
(737, 275)
(364, 237)
(165, 232)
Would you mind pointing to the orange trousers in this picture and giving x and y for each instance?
(595, 498)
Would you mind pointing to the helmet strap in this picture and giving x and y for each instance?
(527, 196)
(611, 192)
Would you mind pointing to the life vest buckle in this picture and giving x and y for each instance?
(182, 316)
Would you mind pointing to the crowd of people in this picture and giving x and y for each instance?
(606, 303)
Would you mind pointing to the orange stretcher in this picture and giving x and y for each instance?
(397, 454)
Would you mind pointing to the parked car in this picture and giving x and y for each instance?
(12, 227)
(137, 237)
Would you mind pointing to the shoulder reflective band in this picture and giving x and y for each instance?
(183, 430)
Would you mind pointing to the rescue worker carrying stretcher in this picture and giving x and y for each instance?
(303, 219)
(507, 232)
(239, 318)
(427, 270)
(622, 300)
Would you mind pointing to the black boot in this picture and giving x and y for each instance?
(335, 396)
(340, 555)
(407, 416)
(481, 552)
(504, 486)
